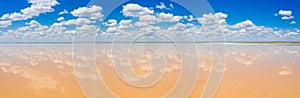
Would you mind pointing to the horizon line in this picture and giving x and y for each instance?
(228, 42)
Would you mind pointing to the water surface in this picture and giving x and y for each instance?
(47, 71)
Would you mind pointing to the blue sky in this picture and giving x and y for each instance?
(261, 12)
(10, 6)
(282, 15)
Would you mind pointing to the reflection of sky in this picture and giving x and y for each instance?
(61, 54)
(37, 63)
(44, 67)
(253, 52)
(39, 81)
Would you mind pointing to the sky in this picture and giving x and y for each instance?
(232, 20)
(261, 12)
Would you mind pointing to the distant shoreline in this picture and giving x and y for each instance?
(150, 42)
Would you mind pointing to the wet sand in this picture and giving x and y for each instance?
(47, 71)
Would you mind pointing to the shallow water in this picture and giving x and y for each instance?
(146, 70)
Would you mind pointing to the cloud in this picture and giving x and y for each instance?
(5, 23)
(111, 23)
(285, 14)
(32, 26)
(145, 21)
(116, 28)
(112, 30)
(287, 17)
(293, 22)
(33, 23)
(163, 17)
(245, 30)
(148, 18)
(136, 10)
(60, 19)
(190, 18)
(86, 33)
(292, 33)
(244, 24)
(213, 24)
(76, 22)
(162, 6)
(93, 12)
(60, 31)
(63, 12)
(212, 19)
(37, 7)
(125, 24)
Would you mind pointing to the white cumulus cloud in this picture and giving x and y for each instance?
(5, 23)
(145, 21)
(37, 7)
(111, 23)
(168, 17)
(63, 12)
(60, 19)
(162, 6)
(293, 22)
(287, 17)
(136, 10)
(93, 12)
(285, 14)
